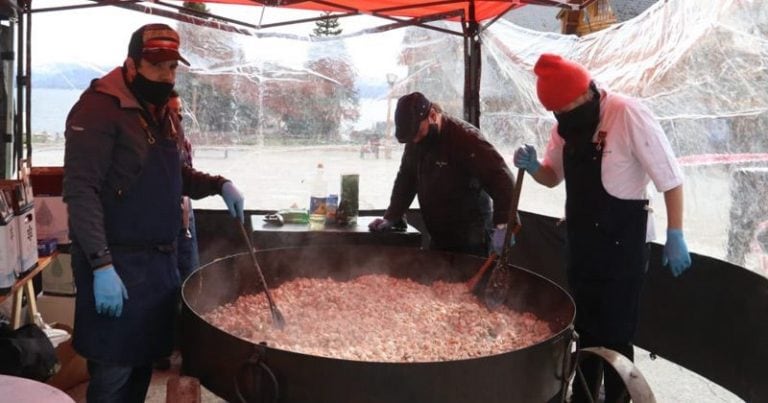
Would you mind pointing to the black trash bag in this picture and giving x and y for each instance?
(27, 352)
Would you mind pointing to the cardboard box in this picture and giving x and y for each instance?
(27, 239)
(50, 209)
(17, 194)
(56, 309)
(51, 218)
(47, 181)
(13, 234)
(58, 278)
(10, 264)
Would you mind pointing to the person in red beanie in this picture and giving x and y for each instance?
(607, 147)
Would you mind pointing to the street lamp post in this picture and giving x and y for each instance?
(391, 79)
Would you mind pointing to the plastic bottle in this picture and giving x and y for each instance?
(318, 197)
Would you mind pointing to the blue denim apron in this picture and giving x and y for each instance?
(141, 225)
(607, 251)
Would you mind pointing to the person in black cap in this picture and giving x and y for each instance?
(123, 179)
(456, 173)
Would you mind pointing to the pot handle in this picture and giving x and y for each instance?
(569, 363)
(637, 387)
(257, 368)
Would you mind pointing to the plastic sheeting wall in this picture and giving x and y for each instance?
(702, 67)
(249, 96)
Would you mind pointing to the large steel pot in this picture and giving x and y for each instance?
(239, 370)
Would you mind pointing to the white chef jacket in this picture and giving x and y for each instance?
(636, 151)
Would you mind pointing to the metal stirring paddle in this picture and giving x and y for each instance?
(277, 317)
(498, 284)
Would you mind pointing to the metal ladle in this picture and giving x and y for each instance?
(277, 317)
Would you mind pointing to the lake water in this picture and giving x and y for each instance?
(50, 107)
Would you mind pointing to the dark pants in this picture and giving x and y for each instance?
(117, 384)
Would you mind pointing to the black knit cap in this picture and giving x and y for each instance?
(155, 43)
(411, 110)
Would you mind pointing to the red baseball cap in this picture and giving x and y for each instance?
(155, 43)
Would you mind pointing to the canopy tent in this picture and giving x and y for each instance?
(471, 10)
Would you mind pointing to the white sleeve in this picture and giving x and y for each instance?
(553, 155)
(651, 147)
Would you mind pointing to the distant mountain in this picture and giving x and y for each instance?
(78, 76)
(66, 76)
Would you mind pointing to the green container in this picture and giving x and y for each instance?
(349, 207)
(294, 216)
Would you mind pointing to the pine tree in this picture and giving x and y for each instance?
(327, 26)
(194, 6)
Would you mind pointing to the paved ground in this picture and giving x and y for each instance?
(670, 384)
(274, 178)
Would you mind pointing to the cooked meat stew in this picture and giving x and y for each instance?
(382, 319)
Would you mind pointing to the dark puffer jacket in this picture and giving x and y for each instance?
(453, 176)
(106, 146)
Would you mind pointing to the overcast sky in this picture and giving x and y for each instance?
(99, 35)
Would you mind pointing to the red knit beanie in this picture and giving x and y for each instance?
(559, 81)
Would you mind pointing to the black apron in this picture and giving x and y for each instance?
(607, 251)
(141, 226)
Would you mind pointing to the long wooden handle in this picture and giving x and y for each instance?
(498, 283)
(513, 205)
(472, 283)
(513, 225)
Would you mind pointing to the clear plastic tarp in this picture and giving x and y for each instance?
(263, 107)
(701, 66)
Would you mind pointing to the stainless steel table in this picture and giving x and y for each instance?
(268, 236)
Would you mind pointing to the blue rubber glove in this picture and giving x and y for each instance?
(108, 291)
(676, 252)
(525, 158)
(380, 224)
(234, 200)
(497, 239)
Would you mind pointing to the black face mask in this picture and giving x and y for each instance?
(580, 123)
(431, 137)
(153, 92)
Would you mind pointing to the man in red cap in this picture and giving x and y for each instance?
(123, 179)
(607, 147)
(453, 169)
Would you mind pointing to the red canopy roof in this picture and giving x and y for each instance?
(483, 10)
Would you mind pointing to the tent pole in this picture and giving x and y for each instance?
(472, 67)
